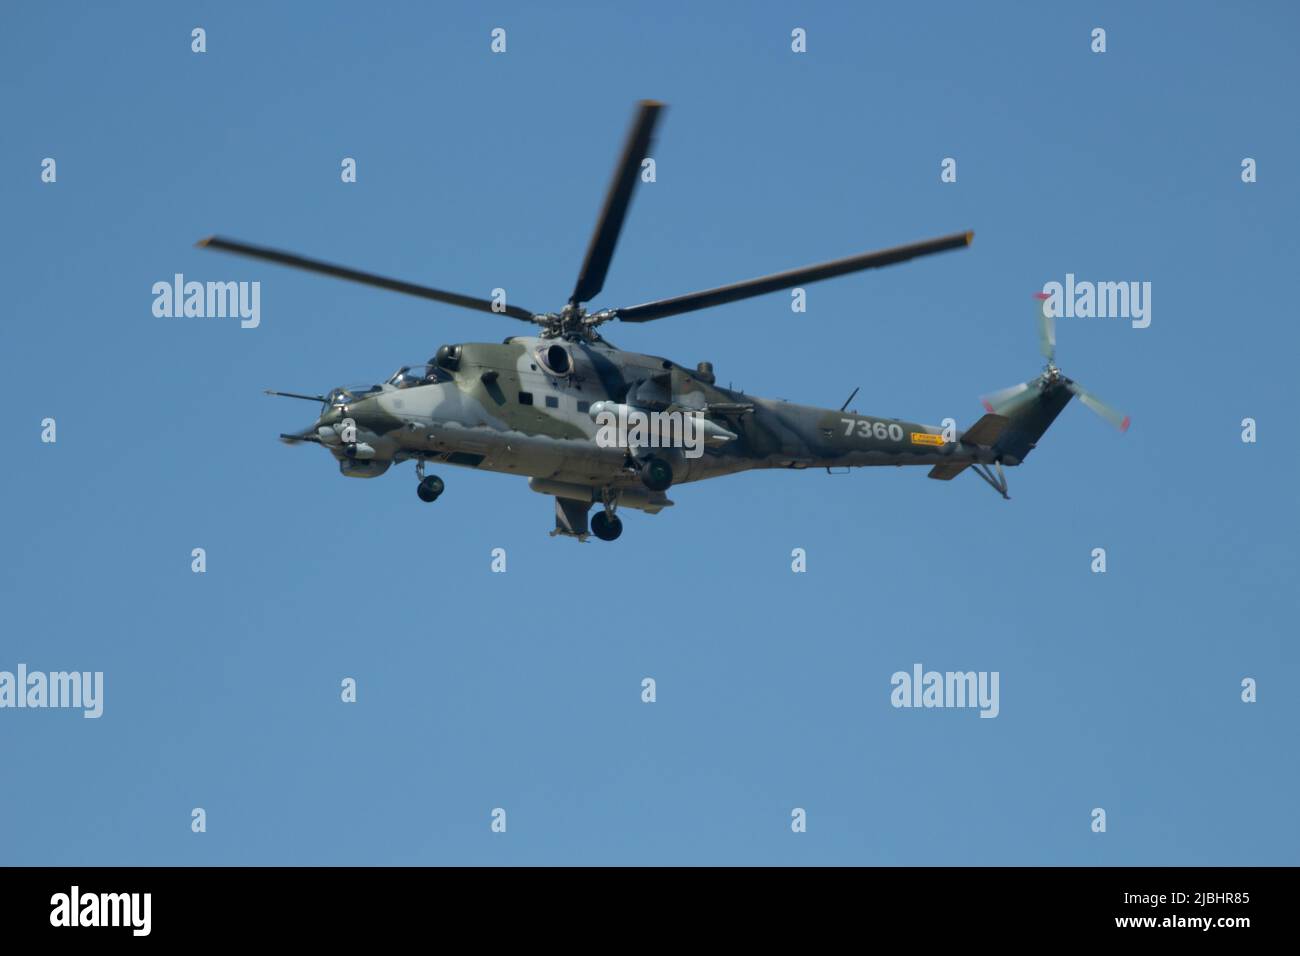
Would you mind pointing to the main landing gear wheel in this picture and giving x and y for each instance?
(606, 526)
(656, 474)
(429, 488)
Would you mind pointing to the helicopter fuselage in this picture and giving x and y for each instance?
(524, 407)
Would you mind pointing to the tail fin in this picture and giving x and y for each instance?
(986, 431)
(1027, 423)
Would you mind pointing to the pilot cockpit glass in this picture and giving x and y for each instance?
(419, 373)
(351, 393)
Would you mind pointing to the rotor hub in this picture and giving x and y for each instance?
(573, 322)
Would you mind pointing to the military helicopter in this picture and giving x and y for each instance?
(543, 405)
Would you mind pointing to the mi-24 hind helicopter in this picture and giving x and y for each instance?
(543, 405)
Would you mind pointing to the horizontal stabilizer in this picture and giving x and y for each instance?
(984, 432)
(948, 470)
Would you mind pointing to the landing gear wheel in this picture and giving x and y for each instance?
(606, 526)
(429, 488)
(656, 474)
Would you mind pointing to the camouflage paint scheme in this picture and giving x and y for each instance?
(475, 418)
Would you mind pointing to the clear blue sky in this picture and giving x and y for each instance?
(522, 690)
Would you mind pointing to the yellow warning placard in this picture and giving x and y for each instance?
(923, 438)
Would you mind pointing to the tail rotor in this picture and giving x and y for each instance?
(1008, 401)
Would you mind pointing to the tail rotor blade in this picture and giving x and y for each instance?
(1001, 400)
(1114, 416)
(1046, 329)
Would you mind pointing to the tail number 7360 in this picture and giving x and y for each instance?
(869, 429)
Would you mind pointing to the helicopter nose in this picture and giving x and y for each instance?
(325, 426)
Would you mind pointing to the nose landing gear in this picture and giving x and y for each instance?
(430, 487)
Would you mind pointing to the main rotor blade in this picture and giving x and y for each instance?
(1112, 415)
(1046, 328)
(355, 275)
(591, 279)
(786, 280)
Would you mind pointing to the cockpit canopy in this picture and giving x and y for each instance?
(408, 376)
(351, 393)
(422, 373)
